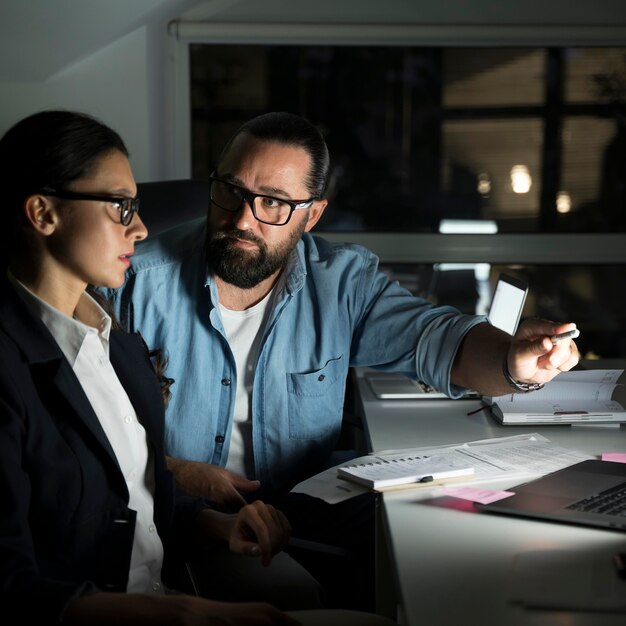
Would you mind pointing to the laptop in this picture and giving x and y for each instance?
(395, 386)
(505, 311)
(589, 493)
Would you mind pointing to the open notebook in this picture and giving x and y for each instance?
(575, 397)
(504, 313)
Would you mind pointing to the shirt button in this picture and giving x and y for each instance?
(128, 419)
(321, 377)
(151, 528)
(156, 586)
(226, 382)
(219, 439)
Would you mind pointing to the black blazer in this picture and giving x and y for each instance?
(65, 523)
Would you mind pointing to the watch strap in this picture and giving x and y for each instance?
(521, 387)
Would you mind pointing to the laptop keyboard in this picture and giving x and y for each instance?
(609, 502)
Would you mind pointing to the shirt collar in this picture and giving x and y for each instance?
(69, 333)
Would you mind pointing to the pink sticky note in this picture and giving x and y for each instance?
(483, 496)
(618, 457)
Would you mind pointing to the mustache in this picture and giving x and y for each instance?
(235, 233)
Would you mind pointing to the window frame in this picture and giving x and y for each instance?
(550, 248)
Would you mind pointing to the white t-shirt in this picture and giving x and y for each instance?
(244, 330)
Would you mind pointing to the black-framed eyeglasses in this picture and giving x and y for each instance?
(267, 209)
(126, 206)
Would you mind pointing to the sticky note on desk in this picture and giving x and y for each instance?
(617, 457)
(483, 496)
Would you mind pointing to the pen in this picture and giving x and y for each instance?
(570, 333)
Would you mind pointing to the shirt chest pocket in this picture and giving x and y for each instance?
(316, 400)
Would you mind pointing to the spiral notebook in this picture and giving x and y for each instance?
(384, 473)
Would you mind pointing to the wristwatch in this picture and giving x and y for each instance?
(523, 387)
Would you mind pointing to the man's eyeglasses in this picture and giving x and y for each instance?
(126, 206)
(266, 209)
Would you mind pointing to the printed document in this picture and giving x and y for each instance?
(516, 457)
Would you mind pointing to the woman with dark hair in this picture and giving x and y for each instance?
(93, 530)
(90, 515)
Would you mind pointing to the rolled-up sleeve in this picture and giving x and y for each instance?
(397, 331)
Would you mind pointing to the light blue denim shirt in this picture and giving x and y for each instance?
(333, 309)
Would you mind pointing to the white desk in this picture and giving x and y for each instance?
(453, 568)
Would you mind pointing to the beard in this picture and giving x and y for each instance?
(247, 268)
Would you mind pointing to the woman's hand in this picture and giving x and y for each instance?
(258, 530)
(132, 609)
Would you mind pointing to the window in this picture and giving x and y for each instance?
(529, 139)
(533, 138)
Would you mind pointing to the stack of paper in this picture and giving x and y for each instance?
(517, 457)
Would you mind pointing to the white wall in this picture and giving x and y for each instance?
(110, 84)
(136, 84)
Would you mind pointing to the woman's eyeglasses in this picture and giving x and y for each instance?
(126, 206)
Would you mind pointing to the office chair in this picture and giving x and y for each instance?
(165, 204)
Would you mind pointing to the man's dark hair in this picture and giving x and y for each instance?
(291, 130)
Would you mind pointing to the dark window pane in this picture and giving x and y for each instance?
(482, 177)
(479, 77)
(532, 138)
(572, 293)
(595, 75)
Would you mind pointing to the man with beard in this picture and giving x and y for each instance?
(262, 321)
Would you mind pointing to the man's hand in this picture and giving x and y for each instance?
(212, 482)
(533, 358)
